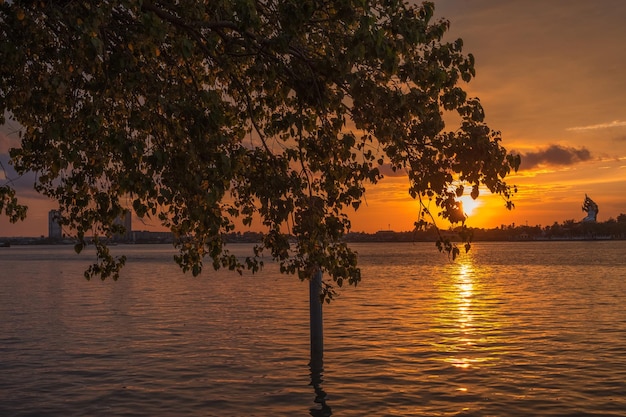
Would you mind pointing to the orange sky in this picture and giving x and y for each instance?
(551, 77)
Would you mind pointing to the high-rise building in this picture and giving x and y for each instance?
(54, 227)
(126, 221)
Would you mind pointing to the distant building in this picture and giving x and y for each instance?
(54, 227)
(126, 221)
(143, 236)
(385, 235)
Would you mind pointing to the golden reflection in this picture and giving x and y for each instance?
(465, 321)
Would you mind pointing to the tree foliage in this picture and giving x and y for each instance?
(207, 114)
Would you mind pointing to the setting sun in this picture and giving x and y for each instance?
(469, 204)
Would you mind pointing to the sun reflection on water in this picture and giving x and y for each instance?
(466, 322)
(465, 288)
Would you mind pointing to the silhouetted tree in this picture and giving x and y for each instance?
(198, 113)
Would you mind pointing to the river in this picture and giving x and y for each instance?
(510, 329)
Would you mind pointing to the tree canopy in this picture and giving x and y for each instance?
(208, 114)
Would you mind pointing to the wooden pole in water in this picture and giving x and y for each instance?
(317, 333)
(317, 345)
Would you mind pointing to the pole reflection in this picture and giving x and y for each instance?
(317, 370)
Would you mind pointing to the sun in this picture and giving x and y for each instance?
(469, 204)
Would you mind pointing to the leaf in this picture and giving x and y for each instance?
(78, 248)
(475, 192)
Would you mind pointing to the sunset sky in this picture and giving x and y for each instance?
(551, 76)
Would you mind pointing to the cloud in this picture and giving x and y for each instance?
(5, 143)
(6, 170)
(621, 138)
(555, 155)
(614, 123)
(22, 184)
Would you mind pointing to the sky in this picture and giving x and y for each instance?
(551, 76)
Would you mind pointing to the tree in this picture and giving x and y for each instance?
(208, 114)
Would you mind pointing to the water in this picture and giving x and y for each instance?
(511, 329)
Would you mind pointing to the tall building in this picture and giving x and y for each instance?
(126, 221)
(54, 228)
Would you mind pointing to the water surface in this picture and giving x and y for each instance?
(511, 329)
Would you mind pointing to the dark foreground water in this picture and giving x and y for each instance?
(512, 329)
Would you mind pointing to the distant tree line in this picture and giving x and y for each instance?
(569, 229)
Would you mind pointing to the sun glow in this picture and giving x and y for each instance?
(469, 204)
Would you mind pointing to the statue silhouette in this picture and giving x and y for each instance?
(591, 208)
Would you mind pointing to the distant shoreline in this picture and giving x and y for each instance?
(399, 237)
